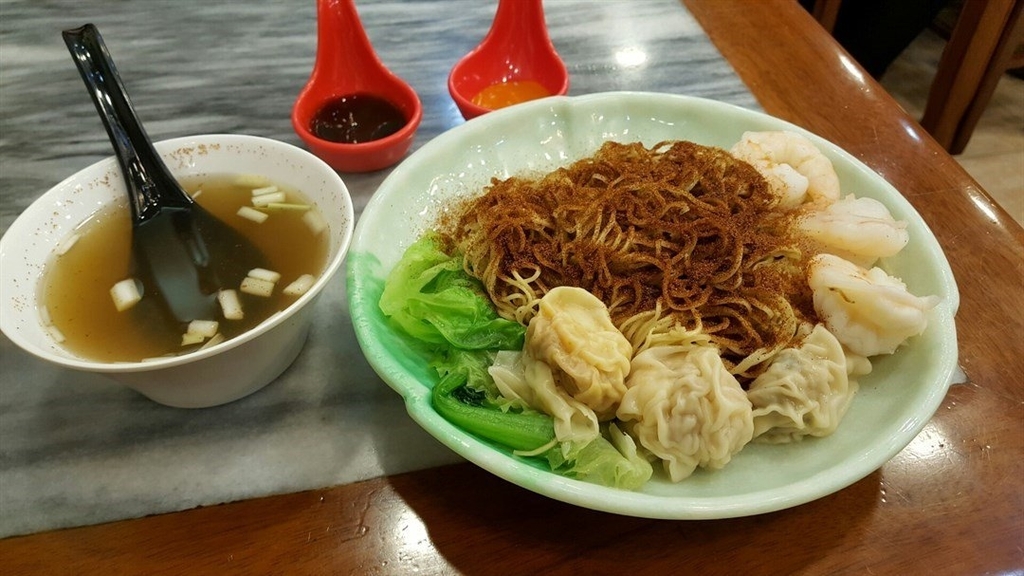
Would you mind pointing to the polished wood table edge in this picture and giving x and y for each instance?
(449, 519)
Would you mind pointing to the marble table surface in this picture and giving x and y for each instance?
(77, 449)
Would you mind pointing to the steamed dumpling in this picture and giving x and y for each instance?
(685, 407)
(527, 382)
(573, 333)
(868, 311)
(804, 392)
(860, 230)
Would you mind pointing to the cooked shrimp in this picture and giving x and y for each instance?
(794, 167)
(860, 230)
(868, 311)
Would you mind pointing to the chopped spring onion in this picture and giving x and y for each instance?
(315, 221)
(125, 294)
(204, 328)
(216, 339)
(264, 190)
(272, 198)
(287, 206)
(300, 286)
(253, 214)
(47, 322)
(67, 243)
(230, 305)
(257, 287)
(44, 316)
(199, 330)
(251, 180)
(264, 274)
(55, 333)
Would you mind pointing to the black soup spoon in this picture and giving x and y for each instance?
(184, 254)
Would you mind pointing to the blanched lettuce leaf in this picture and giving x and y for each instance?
(433, 300)
(472, 364)
(517, 430)
(450, 321)
(611, 459)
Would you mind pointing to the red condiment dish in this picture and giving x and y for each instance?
(346, 65)
(516, 49)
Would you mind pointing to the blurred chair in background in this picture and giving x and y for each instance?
(986, 41)
(875, 32)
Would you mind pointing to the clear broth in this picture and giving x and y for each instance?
(76, 285)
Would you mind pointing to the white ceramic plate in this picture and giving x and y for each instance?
(893, 404)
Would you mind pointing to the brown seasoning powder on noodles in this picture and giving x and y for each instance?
(676, 239)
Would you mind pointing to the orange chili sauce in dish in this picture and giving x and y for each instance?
(505, 94)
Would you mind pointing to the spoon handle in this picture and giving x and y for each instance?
(150, 184)
(519, 22)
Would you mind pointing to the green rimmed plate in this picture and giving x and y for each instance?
(894, 402)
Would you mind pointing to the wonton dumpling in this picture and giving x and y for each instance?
(685, 407)
(804, 392)
(868, 311)
(573, 333)
(525, 381)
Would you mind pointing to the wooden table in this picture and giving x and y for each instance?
(959, 509)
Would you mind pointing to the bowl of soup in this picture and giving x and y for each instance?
(71, 295)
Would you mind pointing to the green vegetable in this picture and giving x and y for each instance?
(433, 300)
(473, 364)
(609, 463)
(451, 322)
(598, 461)
(519, 431)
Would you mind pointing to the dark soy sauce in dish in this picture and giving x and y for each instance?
(75, 287)
(357, 118)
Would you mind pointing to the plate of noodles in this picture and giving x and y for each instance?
(585, 188)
